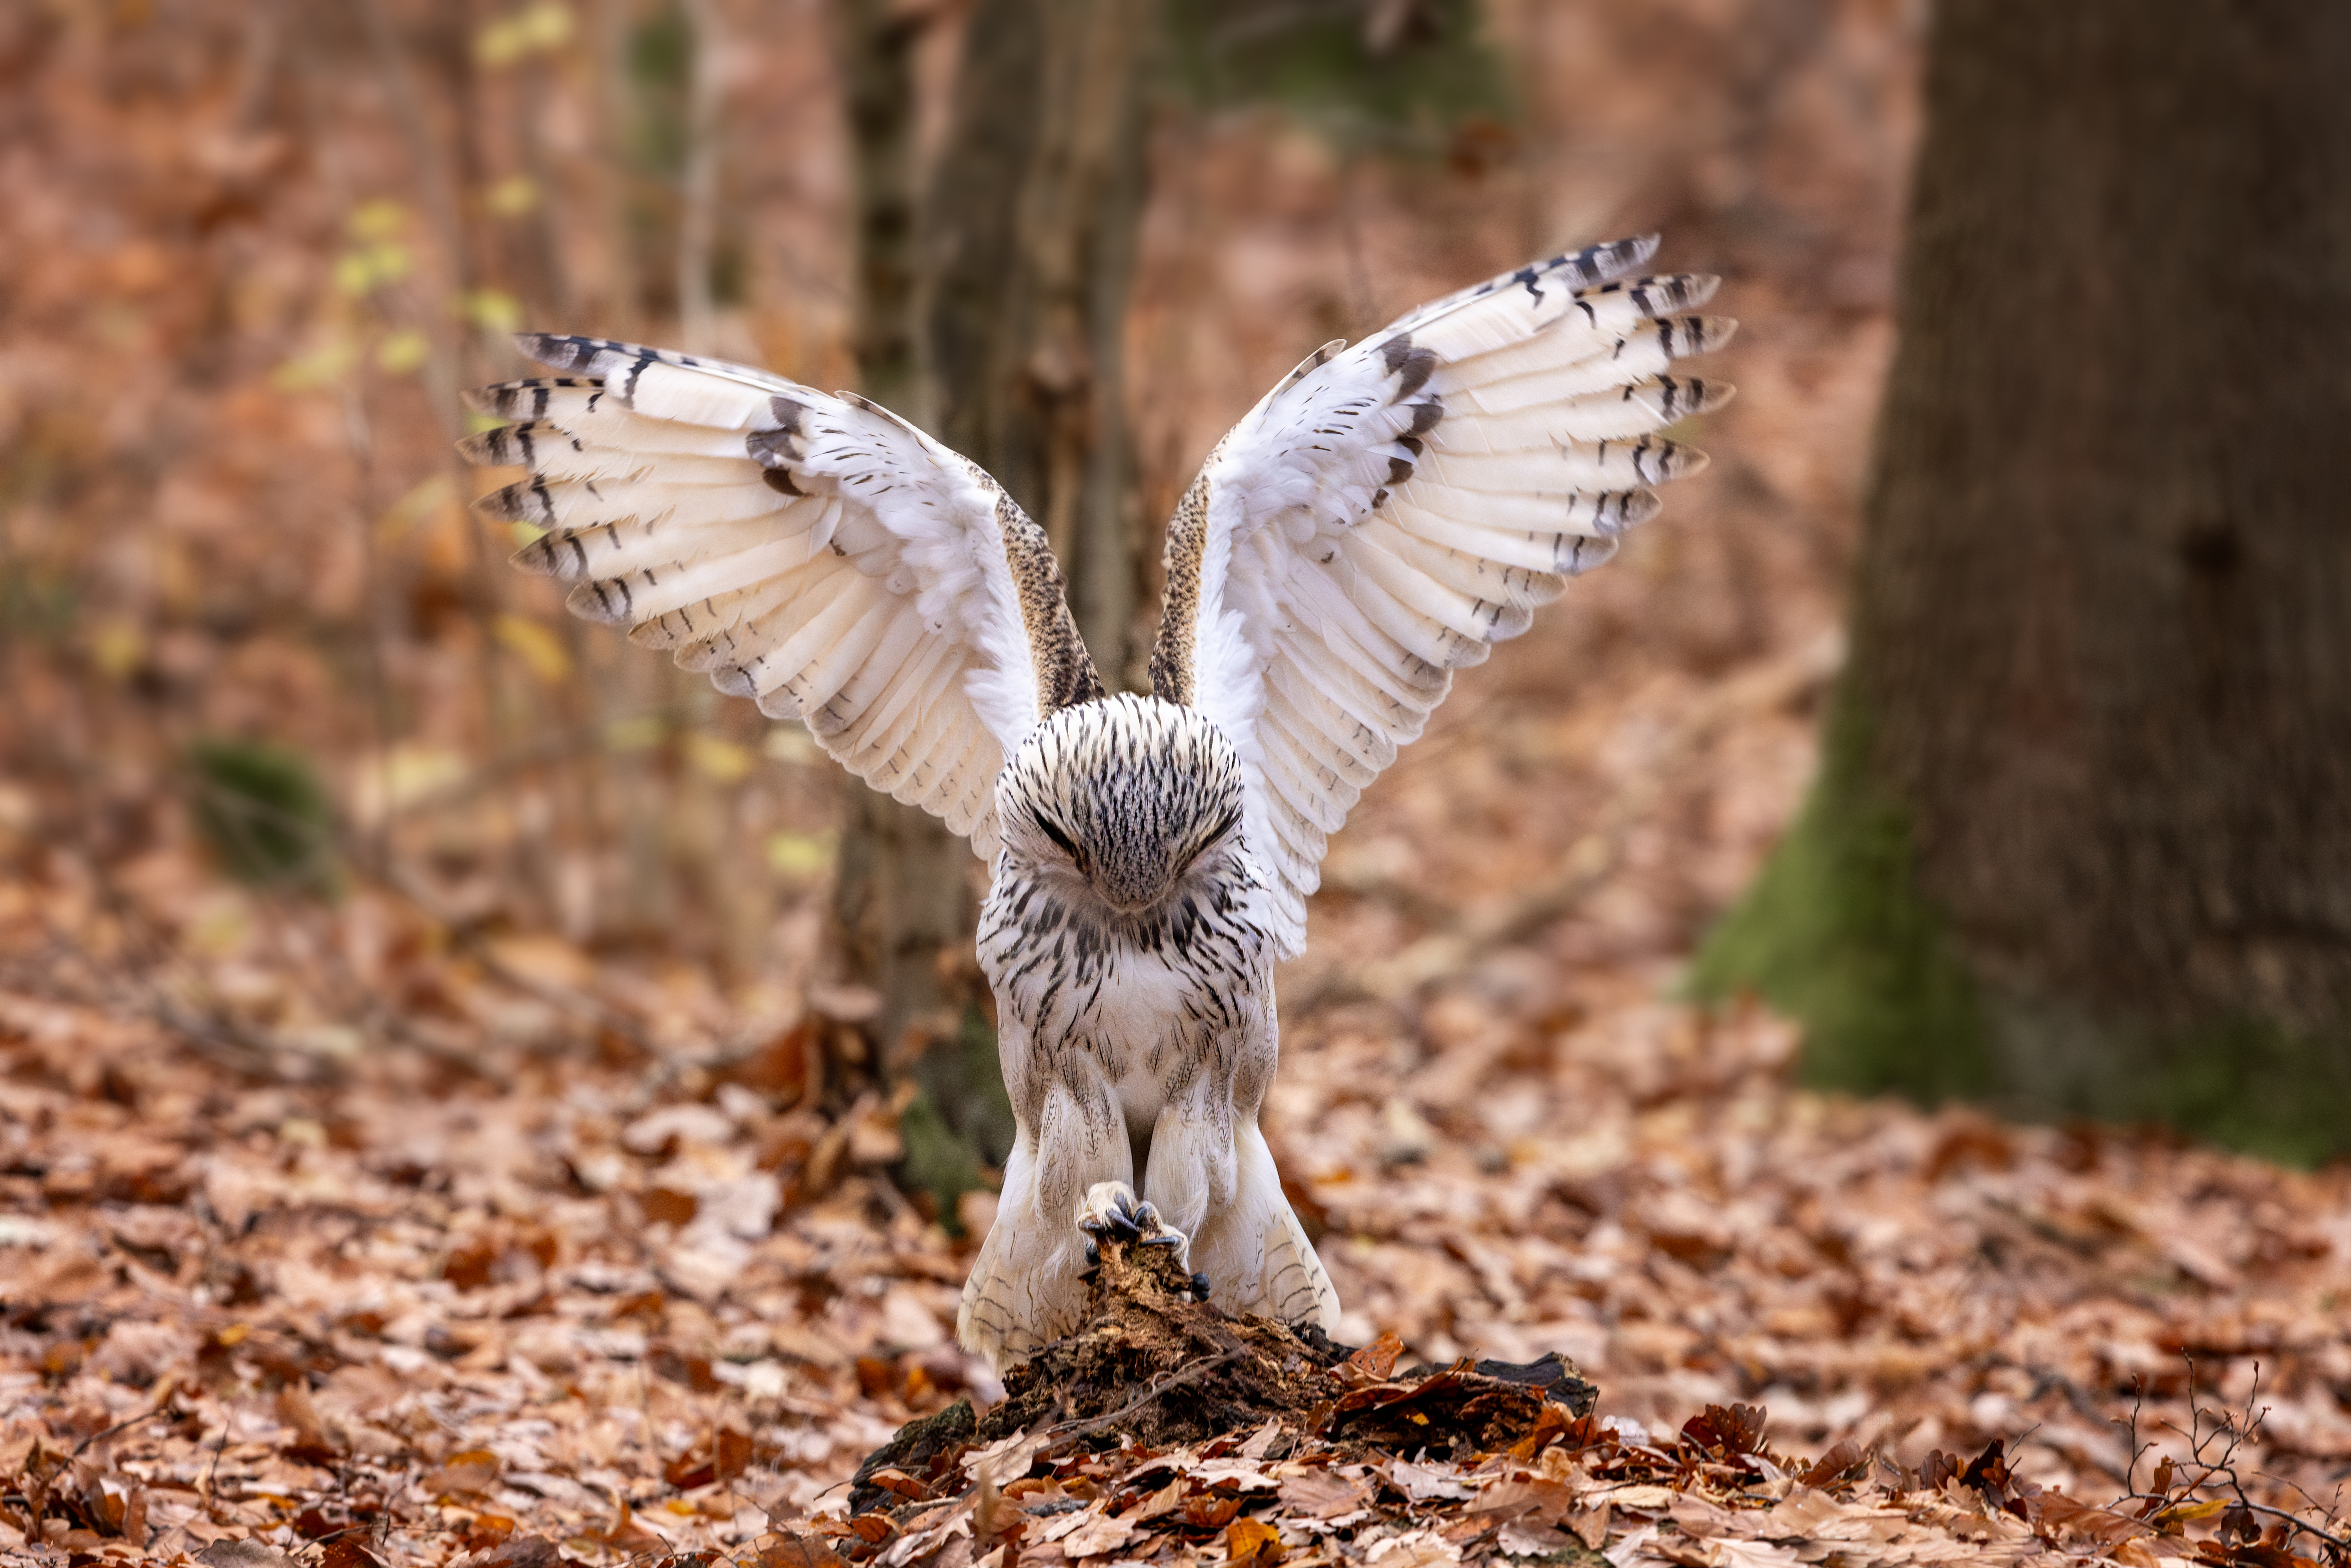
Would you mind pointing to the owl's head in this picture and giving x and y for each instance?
(1127, 793)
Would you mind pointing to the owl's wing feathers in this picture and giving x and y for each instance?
(1388, 513)
(813, 552)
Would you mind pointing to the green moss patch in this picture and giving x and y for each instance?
(1835, 935)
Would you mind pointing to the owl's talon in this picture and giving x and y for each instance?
(1199, 1287)
(1112, 1211)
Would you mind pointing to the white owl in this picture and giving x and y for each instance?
(1381, 518)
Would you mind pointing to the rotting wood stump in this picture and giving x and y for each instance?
(1154, 1369)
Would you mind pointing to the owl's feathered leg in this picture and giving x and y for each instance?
(1251, 1246)
(1025, 1290)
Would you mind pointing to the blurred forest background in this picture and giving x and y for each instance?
(423, 1001)
(270, 676)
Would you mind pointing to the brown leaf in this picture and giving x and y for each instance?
(1320, 1494)
(898, 1482)
(873, 1529)
(1727, 1432)
(519, 1552)
(1209, 1511)
(667, 1205)
(789, 1548)
(1833, 1464)
(1542, 1502)
(1159, 1504)
(1373, 1362)
(345, 1552)
(2104, 1526)
(468, 1474)
(311, 1445)
(1253, 1542)
(244, 1555)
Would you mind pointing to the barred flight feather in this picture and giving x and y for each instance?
(812, 552)
(1391, 511)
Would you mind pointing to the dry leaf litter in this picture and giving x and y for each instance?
(500, 1212)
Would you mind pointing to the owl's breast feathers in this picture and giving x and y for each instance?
(1125, 921)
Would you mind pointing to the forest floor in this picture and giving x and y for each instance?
(628, 1293)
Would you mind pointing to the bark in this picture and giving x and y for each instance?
(2080, 840)
(902, 900)
(1032, 229)
(622, 303)
(697, 228)
(990, 310)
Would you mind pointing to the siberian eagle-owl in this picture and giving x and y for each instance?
(1380, 518)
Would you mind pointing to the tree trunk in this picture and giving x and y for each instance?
(992, 313)
(2080, 842)
(901, 891)
(1032, 227)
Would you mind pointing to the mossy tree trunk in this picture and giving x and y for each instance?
(902, 901)
(991, 309)
(2082, 840)
(1035, 213)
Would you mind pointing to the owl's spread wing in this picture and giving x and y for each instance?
(1388, 513)
(814, 552)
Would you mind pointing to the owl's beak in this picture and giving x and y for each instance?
(1131, 882)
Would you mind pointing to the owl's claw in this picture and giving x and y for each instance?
(1112, 1212)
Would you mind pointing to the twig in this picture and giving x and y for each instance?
(205, 1488)
(1174, 1380)
(2224, 1466)
(2130, 1431)
(162, 1409)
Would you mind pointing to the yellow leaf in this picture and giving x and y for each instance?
(537, 647)
(2189, 1512)
(376, 221)
(511, 198)
(418, 505)
(492, 309)
(368, 268)
(790, 743)
(799, 857)
(322, 366)
(722, 761)
(635, 734)
(117, 648)
(403, 775)
(1252, 1541)
(537, 29)
(403, 351)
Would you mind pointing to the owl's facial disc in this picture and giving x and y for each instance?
(1133, 864)
(1130, 793)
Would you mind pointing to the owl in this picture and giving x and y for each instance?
(1380, 518)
